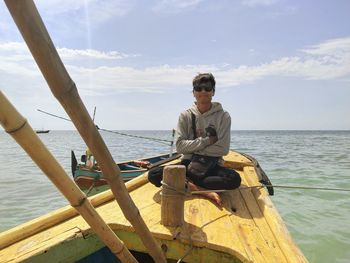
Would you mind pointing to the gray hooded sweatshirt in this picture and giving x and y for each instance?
(217, 118)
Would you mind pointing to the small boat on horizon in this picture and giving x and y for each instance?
(42, 131)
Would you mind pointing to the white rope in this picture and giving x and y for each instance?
(301, 187)
(276, 186)
(176, 190)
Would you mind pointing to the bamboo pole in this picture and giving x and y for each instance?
(22, 132)
(33, 30)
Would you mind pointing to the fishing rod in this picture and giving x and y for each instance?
(119, 133)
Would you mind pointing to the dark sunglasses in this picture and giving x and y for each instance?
(207, 89)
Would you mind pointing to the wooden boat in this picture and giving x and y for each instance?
(247, 228)
(91, 177)
(42, 131)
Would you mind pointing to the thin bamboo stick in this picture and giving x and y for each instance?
(22, 132)
(33, 30)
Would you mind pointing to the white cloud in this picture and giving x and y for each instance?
(55, 7)
(271, 13)
(97, 9)
(336, 47)
(327, 60)
(81, 16)
(19, 51)
(253, 3)
(175, 6)
(17, 47)
(92, 54)
(102, 11)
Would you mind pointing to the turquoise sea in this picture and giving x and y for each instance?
(319, 221)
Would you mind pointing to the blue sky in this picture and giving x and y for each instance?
(279, 64)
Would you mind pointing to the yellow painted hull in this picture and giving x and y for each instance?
(247, 228)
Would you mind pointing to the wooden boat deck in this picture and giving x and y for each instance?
(246, 229)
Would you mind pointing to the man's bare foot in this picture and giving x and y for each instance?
(211, 195)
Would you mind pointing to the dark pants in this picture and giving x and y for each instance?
(216, 178)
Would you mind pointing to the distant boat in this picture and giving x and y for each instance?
(91, 177)
(42, 131)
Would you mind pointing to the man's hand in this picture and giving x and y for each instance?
(213, 139)
(211, 132)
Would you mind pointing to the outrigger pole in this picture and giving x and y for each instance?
(33, 30)
(18, 127)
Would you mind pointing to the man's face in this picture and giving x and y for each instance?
(203, 95)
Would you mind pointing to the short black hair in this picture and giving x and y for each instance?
(204, 78)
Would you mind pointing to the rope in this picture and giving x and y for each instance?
(277, 186)
(54, 115)
(179, 192)
(17, 128)
(137, 136)
(301, 187)
(210, 191)
(80, 203)
(176, 190)
(187, 252)
(119, 133)
(91, 187)
(188, 193)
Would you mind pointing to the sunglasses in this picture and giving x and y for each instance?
(199, 89)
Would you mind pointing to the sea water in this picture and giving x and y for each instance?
(319, 221)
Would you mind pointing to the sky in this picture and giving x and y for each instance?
(278, 64)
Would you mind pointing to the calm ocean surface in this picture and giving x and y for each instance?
(319, 221)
